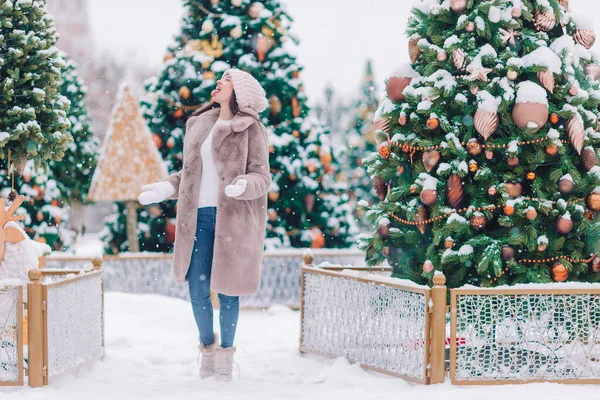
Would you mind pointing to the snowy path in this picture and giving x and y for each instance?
(151, 354)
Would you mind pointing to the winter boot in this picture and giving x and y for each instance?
(224, 364)
(207, 368)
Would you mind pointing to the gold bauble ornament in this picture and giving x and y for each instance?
(531, 214)
(449, 243)
(184, 92)
(542, 246)
(273, 196)
(473, 167)
(509, 210)
(442, 56)
(474, 148)
(512, 75)
(559, 272)
(551, 149)
(530, 176)
(433, 123)
(592, 201)
(208, 26)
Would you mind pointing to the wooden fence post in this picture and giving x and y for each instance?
(35, 311)
(438, 330)
(307, 261)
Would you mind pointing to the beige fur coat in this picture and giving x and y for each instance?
(240, 151)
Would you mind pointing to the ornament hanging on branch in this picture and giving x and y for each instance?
(486, 123)
(429, 195)
(592, 201)
(384, 151)
(531, 108)
(596, 264)
(427, 266)
(458, 6)
(255, 9)
(544, 21)
(421, 217)
(455, 193)
(395, 86)
(589, 158)
(576, 133)
(449, 243)
(431, 159)
(413, 49)
(585, 37)
(380, 187)
(459, 58)
(474, 147)
(513, 190)
(559, 272)
(507, 253)
(184, 92)
(565, 184)
(564, 224)
(478, 221)
(546, 78)
(592, 70)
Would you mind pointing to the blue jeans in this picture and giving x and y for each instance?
(198, 277)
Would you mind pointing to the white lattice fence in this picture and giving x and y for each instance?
(151, 273)
(75, 322)
(374, 321)
(11, 335)
(526, 336)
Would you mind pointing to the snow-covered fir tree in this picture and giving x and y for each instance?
(215, 36)
(359, 143)
(488, 147)
(35, 129)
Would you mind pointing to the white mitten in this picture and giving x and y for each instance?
(155, 192)
(237, 189)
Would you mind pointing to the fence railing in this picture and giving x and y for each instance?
(381, 323)
(11, 334)
(525, 335)
(151, 273)
(66, 321)
(535, 333)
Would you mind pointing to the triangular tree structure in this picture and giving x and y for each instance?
(128, 160)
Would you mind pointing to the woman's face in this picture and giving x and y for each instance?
(222, 94)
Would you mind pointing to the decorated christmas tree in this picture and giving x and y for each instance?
(34, 129)
(217, 35)
(359, 142)
(128, 161)
(488, 147)
(73, 174)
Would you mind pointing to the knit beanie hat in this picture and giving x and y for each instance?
(248, 92)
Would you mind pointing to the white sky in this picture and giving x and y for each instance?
(336, 35)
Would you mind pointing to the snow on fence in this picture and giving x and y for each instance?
(384, 324)
(66, 321)
(526, 335)
(151, 273)
(11, 334)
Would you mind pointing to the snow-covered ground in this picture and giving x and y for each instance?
(151, 354)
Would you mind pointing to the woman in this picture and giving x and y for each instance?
(221, 214)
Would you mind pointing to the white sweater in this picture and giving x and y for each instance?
(209, 182)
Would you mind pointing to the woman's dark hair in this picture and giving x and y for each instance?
(209, 106)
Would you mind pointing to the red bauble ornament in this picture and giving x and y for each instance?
(395, 86)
